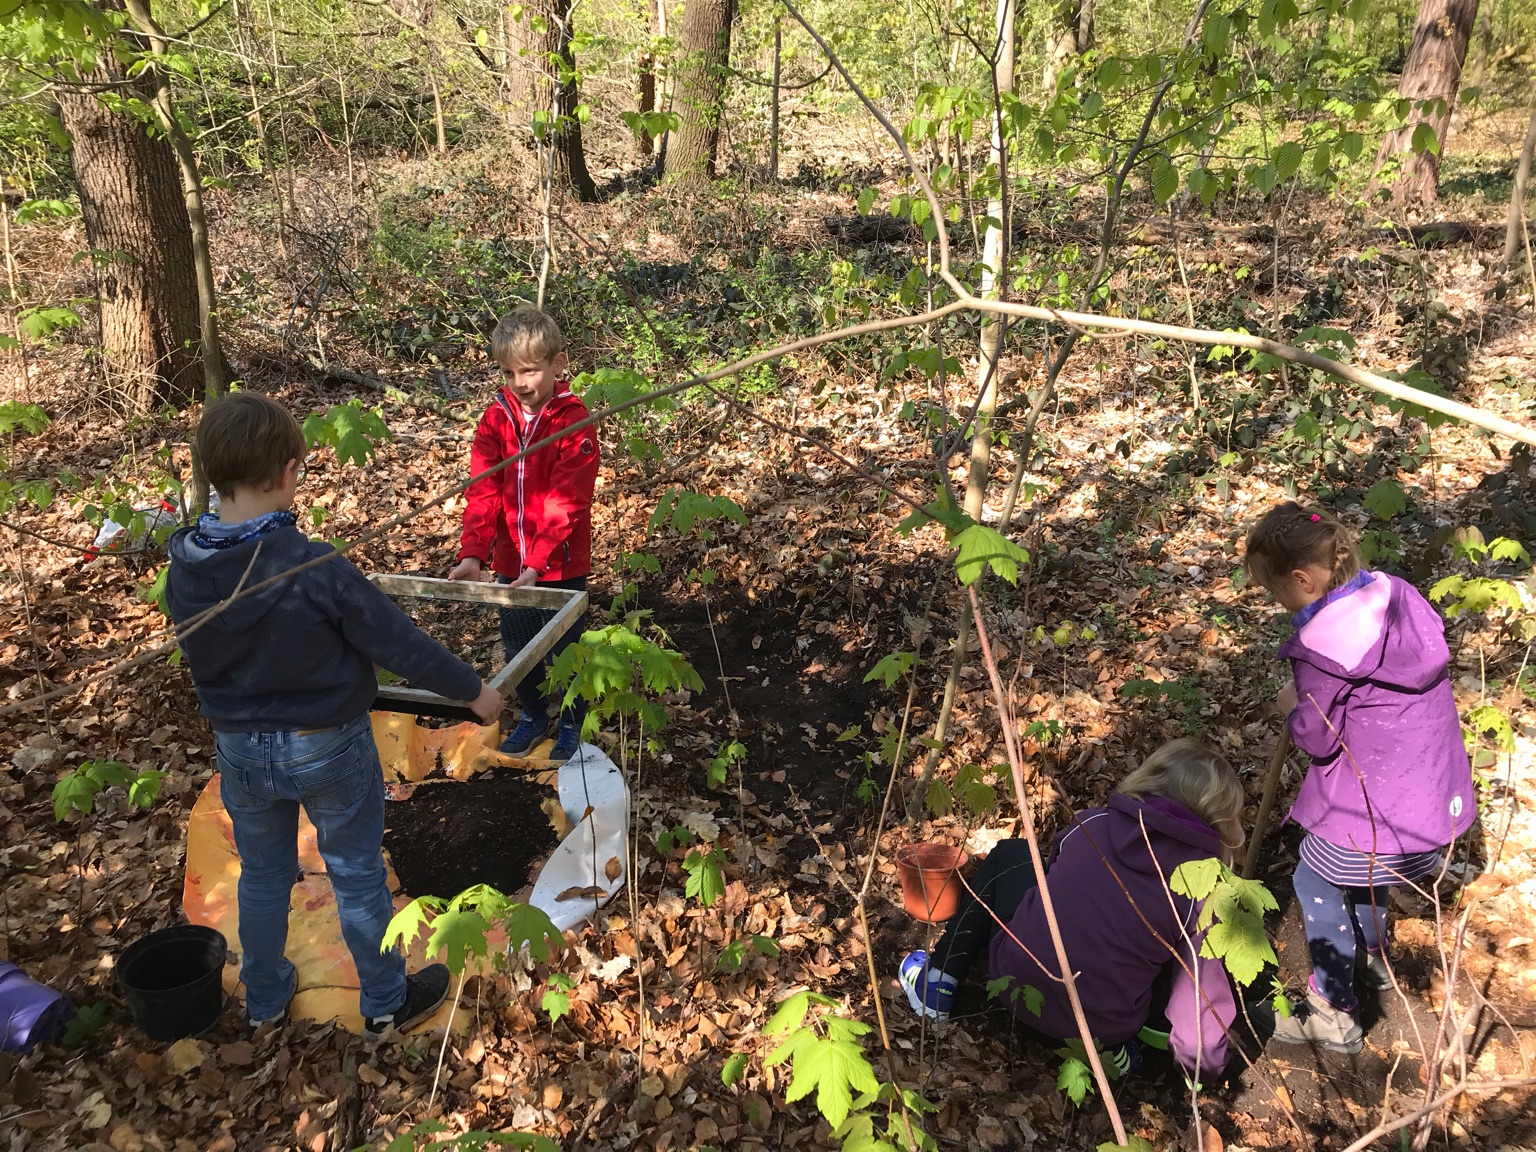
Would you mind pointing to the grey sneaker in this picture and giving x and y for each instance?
(1323, 1025)
(1374, 973)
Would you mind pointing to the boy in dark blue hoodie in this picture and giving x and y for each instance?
(283, 661)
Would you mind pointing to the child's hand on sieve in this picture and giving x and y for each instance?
(488, 704)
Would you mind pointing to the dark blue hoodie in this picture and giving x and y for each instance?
(301, 652)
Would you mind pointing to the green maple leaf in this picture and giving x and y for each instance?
(1510, 550)
(979, 547)
(457, 934)
(891, 668)
(145, 787)
(1449, 586)
(75, 792)
(408, 923)
(858, 1135)
(1075, 1079)
(1132, 1144)
(1034, 999)
(839, 1028)
(788, 1015)
(528, 926)
(832, 1069)
(705, 880)
(735, 1068)
(1486, 719)
(113, 773)
(732, 955)
(1196, 878)
(1241, 944)
(555, 1001)
(1385, 499)
(939, 800)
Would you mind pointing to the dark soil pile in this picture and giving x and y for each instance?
(489, 830)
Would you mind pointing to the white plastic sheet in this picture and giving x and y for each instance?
(594, 853)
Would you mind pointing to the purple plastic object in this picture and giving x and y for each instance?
(30, 1013)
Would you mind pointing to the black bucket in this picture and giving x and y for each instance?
(173, 980)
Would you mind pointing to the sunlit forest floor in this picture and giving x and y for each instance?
(1135, 503)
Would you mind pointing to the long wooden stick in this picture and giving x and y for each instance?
(1267, 802)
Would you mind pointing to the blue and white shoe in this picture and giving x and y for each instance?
(567, 740)
(930, 992)
(526, 736)
(1123, 1058)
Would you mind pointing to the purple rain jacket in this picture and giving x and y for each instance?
(1376, 714)
(1112, 951)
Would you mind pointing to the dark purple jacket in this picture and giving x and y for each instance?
(1376, 714)
(1109, 930)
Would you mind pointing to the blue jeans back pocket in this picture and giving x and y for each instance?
(334, 780)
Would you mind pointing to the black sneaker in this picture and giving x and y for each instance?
(424, 991)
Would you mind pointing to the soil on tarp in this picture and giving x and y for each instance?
(451, 835)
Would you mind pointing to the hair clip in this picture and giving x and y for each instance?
(1314, 517)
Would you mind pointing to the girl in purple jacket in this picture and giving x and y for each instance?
(1128, 938)
(1389, 786)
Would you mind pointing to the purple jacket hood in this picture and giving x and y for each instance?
(1108, 883)
(1376, 714)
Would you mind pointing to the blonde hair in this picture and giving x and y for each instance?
(1189, 773)
(1291, 537)
(526, 335)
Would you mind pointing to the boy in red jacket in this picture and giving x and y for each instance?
(532, 521)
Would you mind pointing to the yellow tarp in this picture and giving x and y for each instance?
(327, 978)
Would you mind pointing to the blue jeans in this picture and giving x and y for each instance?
(518, 627)
(335, 775)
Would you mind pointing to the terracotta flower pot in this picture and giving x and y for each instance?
(930, 879)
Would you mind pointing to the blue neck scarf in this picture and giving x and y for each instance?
(211, 533)
(1354, 584)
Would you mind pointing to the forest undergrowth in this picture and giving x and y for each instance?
(1126, 629)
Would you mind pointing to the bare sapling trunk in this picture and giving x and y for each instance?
(1514, 225)
(131, 207)
(542, 77)
(700, 95)
(989, 354)
(1431, 79)
(773, 108)
(215, 374)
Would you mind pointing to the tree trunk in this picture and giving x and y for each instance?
(1430, 78)
(701, 74)
(1478, 69)
(773, 108)
(1515, 223)
(215, 373)
(1071, 35)
(541, 81)
(134, 214)
(645, 99)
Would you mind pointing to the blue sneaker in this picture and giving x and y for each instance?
(526, 736)
(929, 991)
(1123, 1058)
(567, 740)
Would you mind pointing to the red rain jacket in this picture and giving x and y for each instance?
(536, 513)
